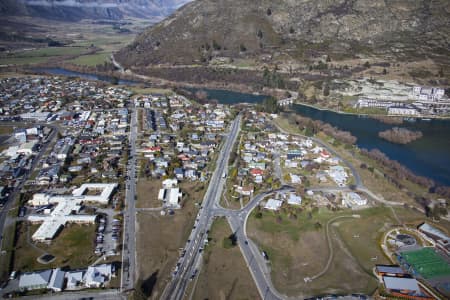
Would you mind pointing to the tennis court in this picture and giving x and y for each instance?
(427, 263)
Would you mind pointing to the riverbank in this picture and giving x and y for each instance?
(374, 116)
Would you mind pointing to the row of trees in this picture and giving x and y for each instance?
(312, 127)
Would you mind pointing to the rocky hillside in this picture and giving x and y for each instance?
(205, 29)
(74, 10)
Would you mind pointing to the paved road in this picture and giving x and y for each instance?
(253, 257)
(97, 295)
(128, 277)
(10, 201)
(194, 248)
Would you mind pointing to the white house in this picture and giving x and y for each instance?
(353, 199)
(273, 204)
(98, 276)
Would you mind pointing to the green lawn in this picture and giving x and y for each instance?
(73, 248)
(427, 263)
(91, 59)
(39, 55)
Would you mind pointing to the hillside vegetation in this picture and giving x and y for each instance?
(293, 30)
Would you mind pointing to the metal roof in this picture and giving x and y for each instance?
(29, 280)
(396, 283)
(390, 269)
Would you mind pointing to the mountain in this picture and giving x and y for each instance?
(293, 29)
(75, 10)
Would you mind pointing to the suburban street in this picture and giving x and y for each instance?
(129, 217)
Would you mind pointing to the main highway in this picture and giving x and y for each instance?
(194, 248)
(127, 279)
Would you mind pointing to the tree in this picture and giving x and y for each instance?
(326, 90)
(291, 30)
(216, 46)
(269, 11)
(384, 71)
(259, 34)
(242, 48)
(367, 64)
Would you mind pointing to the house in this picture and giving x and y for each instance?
(295, 179)
(179, 173)
(293, 199)
(273, 204)
(74, 279)
(34, 280)
(294, 154)
(56, 283)
(245, 190)
(98, 276)
(256, 172)
(353, 199)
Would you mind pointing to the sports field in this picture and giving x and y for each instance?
(427, 263)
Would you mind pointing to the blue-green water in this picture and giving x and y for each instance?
(229, 97)
(428, 156)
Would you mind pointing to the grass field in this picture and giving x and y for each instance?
(6, 130)
(224, 274)
(73, 248)
(159, 239)
(40, 55)
(297, 249)
(8, 247)
(92, 60)
(427, 263)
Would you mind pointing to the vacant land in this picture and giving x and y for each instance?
(224, 274)
(159, 239)
(73, 248)
(147, 193)
(7, 247)
(297, 248)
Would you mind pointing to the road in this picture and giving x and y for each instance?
(194, 248)
(128, 269)
(256, 263)
(10, 201)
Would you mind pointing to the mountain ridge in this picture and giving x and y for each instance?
(75, 10)
(204, 29)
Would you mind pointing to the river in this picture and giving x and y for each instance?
(68, 73)
(428, 156)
